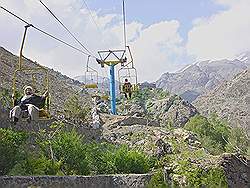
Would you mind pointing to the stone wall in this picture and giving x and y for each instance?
(103, 181)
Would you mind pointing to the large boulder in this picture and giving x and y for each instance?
(173, 110)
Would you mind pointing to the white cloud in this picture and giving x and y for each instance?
(158, 50)
(154, 47)
(223, 35)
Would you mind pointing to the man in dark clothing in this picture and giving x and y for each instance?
(127, 89)
(29, 102)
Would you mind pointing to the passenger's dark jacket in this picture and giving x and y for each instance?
(38, 101)
(127, 87)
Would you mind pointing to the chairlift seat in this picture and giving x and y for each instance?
(91, 86)
(44, 114)
(105, 97)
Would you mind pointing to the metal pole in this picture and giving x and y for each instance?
(112, 89)
(124, 24)
(22, 45)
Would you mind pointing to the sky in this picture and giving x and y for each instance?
(164, 35)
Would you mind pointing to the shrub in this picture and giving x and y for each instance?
(68, 148)
(131, 161)
(36, 164)
(238, 141)
(57, 152)
(213, 132)
(10, 146)
(101, 158)
(157, 180)
(198, 177)
(83, 158)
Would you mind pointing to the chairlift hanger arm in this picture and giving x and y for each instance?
(88, 63)
(131, 56)
(22, 45)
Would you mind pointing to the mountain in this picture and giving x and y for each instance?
(61, 86)
(230, 100)
(203, 76)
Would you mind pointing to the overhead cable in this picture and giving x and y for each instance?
(44, 32)
(63, 25)
(92, 17)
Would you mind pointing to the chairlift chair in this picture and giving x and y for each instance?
(128, 71)
(104, 95)
(44, 112)
(91, 77)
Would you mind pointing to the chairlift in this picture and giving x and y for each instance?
(33, 72)
(91, 77)
(104, 92)
(128, 71)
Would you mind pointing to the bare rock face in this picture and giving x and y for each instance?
(163, 148)
(230, 100)
(236, 169)
(172, 110)
(201, 77)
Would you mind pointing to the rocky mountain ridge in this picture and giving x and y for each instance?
(230, 100)
(203, 76)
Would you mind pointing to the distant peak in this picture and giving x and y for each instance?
(243, 57)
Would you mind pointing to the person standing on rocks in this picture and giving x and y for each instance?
(29, 102)
(127, 89)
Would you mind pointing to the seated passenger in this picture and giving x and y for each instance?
(127, 89)
(29, 102)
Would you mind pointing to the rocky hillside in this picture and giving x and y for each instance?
(158, 105)
(164, 134)
(230, 101)
(61, 86)
(201, 77)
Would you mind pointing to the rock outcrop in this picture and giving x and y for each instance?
(236, 169)
(230, 101)
(104, 181)
(172, 110)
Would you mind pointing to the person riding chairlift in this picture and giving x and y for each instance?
(29, 102)
(127, 89)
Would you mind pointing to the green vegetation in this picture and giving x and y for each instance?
(59, 152)
(238, 142)
(10, 145)
(216, 136)
(141, 97)
(5, 98)
(157, 180)
(73, 108)
(194, 176)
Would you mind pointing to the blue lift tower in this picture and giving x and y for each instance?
(112, 58)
